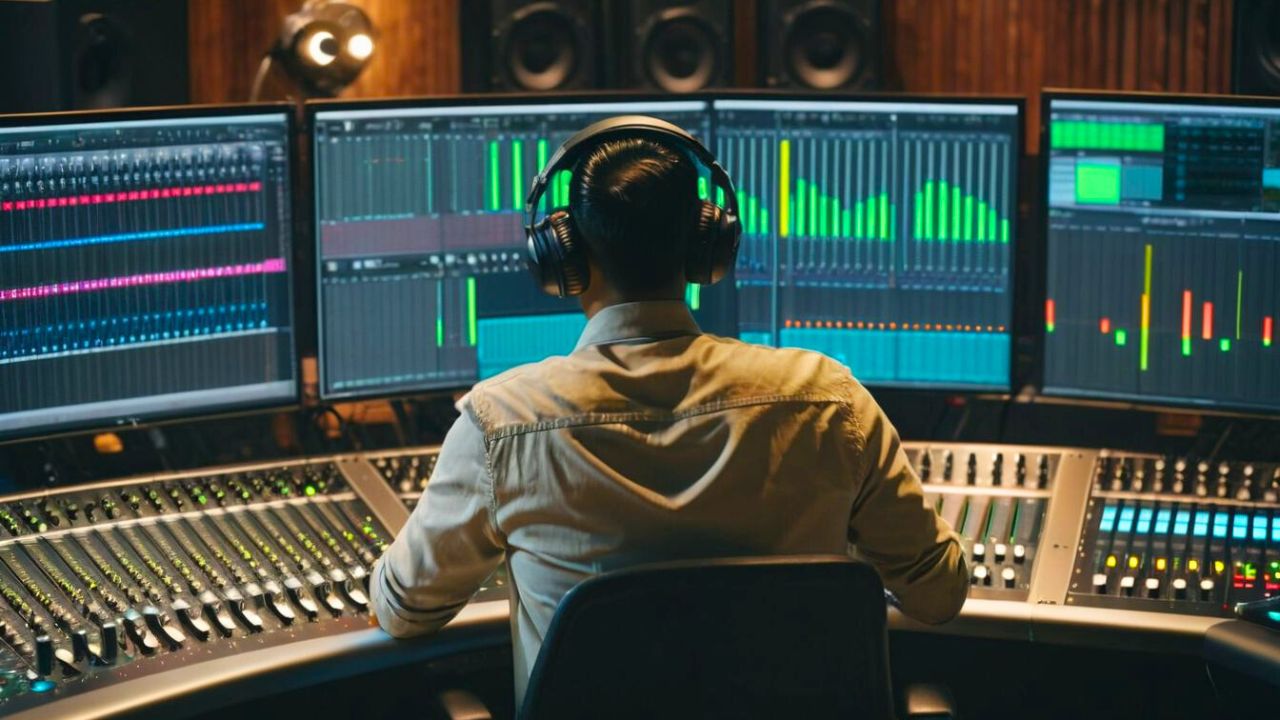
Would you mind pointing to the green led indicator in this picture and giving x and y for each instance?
(310, 490)
(1121, 336)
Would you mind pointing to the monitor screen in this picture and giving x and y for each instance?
(144, 266)
(422, 277)
(1163, 278)
(879, 233)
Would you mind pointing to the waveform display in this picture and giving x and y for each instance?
(423, 208)
(145, 269)
(865, 223)
(1171, 301)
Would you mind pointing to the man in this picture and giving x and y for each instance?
(652, 441)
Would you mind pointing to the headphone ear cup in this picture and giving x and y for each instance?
(557, 257)
(713, 246)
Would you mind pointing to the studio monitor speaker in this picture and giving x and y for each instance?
(674, 46)
(521, 46)
(76, 54)
(1255, 67)
(820, 44)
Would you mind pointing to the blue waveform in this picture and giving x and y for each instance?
(129, 237)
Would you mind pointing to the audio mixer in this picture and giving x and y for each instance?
(1173, 535)
(126, 579)
(104, 583)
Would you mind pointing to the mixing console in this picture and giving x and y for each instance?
(126, 579)
(1173, 535)
(105, 583)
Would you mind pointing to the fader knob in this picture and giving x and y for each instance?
(1100, 583)
(1180, 588)
(1000, 551)
(110, 642)
(1153, 587)
(1206, 589)
(1019, 553)
(979, 552)
(1042, 472)
(1127, 584)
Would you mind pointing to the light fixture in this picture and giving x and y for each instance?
(323, 47)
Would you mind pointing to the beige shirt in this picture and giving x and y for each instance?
(652, 442)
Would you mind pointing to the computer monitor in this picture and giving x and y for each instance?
(421, 246)
(880, 232)
(1163, 233)
(144, 266)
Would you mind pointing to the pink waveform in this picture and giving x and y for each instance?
(130, 196)
(272, 265)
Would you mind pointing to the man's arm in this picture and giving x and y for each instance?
(448, 547)
(918, 555)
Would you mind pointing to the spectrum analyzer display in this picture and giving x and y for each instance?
(879, 233)
(422, 278)
(1163, 279)
(144, 268)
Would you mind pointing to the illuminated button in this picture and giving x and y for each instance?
(1161, 564)
(1100, 583)
(1218, 567)
(979, 551)
(1009, 575)
(1001, 550)
(1134, 560)
(1127, 583)
(42, 686)
(1153, 587)
(1193, 565)
(1180, 588)
(1019, 553)
(1111, 561)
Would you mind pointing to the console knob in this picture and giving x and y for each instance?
(1019, 553)
(979, 551)
(1180, 465)
(1010, 576)
(981, 575)
(1000, 551)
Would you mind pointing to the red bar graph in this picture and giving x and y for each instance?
(1104, 325)
(1206, 331)
(1186, 322)
(1049, 315)
(1268, 324)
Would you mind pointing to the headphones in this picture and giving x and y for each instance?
(556, 250)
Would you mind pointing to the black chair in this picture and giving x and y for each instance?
(775, 637)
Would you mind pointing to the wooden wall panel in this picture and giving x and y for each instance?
(954, 46)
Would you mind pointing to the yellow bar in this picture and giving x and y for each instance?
(784, 187)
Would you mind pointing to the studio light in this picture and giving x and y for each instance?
(322, 48)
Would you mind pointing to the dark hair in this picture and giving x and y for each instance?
(635, 202)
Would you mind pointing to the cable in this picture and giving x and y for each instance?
(264, 67)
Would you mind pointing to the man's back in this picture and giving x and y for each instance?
(654, 442)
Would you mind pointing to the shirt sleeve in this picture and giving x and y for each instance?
(918, 555)
(448, 547)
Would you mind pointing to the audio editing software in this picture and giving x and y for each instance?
(144, 269)
(879, 233)
(1163, 277)
(422, 247)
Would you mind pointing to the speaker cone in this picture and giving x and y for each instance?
(544, 48)
(824, 46)
(681, 54)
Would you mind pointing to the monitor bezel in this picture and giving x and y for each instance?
(183, 112)
(311, 110)
(1122, 401)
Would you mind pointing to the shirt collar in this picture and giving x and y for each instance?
(647, 320)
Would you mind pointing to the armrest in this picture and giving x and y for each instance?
(921, 702)
(462, 705)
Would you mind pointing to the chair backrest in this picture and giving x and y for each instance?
(776, 637)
